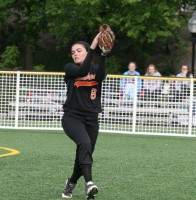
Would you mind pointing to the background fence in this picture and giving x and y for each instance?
(139, 105)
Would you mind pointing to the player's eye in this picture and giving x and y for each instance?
(79, 50)
(72, 53)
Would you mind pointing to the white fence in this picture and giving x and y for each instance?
(137, 105)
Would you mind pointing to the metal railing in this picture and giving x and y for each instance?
(132, 105)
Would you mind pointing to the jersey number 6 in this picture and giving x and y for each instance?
(93, 93)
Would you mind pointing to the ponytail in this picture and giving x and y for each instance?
(188, 74)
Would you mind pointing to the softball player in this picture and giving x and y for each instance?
(81, 108)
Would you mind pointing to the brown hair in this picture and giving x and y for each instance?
(84, 44)
(151, 65)
(132, 63)
(188, 74)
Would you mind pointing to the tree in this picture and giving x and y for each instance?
(9, 58)
(44, 30)
(23, 21)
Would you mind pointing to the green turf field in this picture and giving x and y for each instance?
(126, 167)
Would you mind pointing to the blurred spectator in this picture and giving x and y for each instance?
(127, 85)
(151, 87)
(183, 87)
(169, 89)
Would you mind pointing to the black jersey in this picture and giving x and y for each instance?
(84, 85)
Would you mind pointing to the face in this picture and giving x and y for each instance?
(184, 69)
(151, 69)
(78, 53)
(132, 67)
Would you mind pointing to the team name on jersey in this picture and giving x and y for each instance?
(86, 81)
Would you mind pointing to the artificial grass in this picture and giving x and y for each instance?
(125, 166)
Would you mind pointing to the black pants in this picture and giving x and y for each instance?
(83, 130)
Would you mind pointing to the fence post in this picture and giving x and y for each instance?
(134, 104)
(191, 108)
(17, 98)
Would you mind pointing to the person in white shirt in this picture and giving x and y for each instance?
(151, 87)
(183, 87)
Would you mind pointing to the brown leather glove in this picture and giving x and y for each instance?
(106, 39)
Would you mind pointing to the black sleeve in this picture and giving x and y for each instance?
(74, 70)
(101, 71)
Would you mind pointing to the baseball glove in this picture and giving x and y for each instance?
(106, 39)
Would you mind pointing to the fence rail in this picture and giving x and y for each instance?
(132, 105)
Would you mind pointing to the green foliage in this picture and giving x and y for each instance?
(10, 57)
(113, 65)
(138, 25)
(39, 68)
(138, 167)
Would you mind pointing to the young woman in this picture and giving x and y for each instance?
(183, 87)
(127, 85)
(81, 108)
(151, 87)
